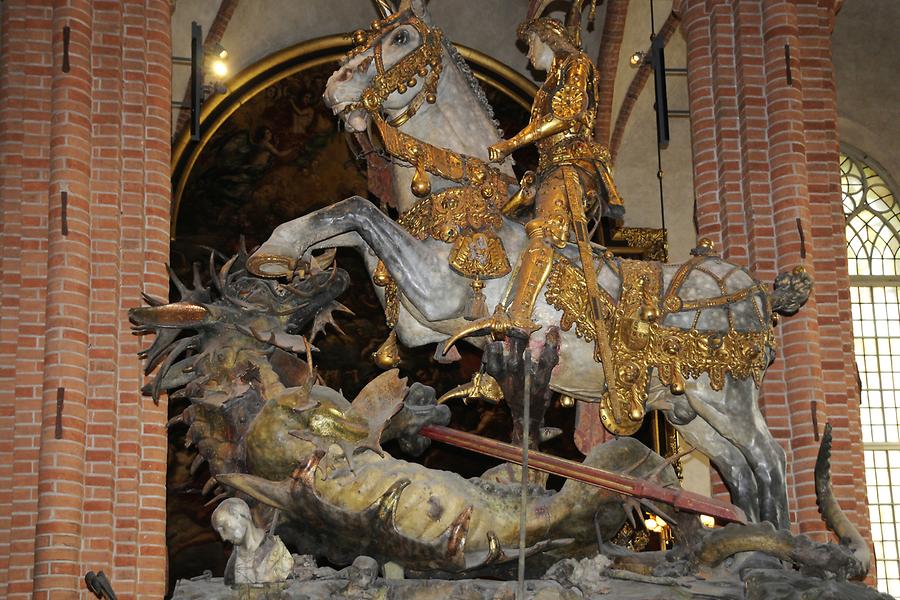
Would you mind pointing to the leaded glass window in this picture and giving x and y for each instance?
(873, 253)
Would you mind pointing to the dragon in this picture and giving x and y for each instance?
(269, 430)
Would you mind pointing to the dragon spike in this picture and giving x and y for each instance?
(198, 282)
(217, 283)
(176, 420)
(176, 351)
(387, 504)
(151, 300)
(157, 350)
(183, 291)
(209, 486)
(274, 493)
(338, 307)
(196, 464)
(226, 268)
(475, 329)
(457, 532)
(218, 499)
(242, 249)
(310, 370)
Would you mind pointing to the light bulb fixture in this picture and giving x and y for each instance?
(654, 524)
(637, 58)
(707, 521)
(219, 68)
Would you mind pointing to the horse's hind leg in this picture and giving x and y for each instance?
(734, 413)
(736, 473)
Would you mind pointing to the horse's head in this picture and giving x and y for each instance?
(394, 67)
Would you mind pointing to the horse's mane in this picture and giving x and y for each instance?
(470, 79)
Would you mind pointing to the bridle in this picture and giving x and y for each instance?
(423, 62)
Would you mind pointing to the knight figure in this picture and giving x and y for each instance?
(573, 170)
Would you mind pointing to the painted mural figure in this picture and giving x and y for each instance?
(573, 170)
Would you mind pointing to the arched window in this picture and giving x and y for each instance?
(873, 253)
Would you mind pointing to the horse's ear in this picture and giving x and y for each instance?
(418, 8)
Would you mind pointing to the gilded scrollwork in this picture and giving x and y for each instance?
(652, 243)
(641, 343)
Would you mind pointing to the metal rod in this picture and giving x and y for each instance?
(67, 32)
(623, 484)
(526, 429)
(787, 64)
(676, 71)
(60, 399)
(181, 60)
(681, 113)
(64, 212)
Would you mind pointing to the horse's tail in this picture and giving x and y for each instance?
(791, 291)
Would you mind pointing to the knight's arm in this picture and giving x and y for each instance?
(566, 106)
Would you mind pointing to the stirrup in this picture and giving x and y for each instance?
(500, 325)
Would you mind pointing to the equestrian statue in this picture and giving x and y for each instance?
(692, 340)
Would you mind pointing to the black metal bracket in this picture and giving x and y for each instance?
(787, 64)
(196, 79)
(67, 32)
(195, 62)
(658, 62)
(60, 399)
(64, 212)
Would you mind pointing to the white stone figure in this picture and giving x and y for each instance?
(257, 557)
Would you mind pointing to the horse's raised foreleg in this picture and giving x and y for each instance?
(419, 267)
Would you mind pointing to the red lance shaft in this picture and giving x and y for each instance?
(623, 484)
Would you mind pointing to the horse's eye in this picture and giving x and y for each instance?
(400, 38)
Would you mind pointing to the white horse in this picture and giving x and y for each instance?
(722, 420)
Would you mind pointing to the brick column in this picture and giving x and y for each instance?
(85, 491)
(24, 174)
(61, 474)
(765, 151)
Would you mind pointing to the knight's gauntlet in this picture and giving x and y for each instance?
(536, 130)
(568, 104)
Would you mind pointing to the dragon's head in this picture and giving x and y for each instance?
(237, 310)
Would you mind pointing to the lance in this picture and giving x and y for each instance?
(615, 482)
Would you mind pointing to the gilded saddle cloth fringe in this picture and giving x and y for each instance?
(640, 341)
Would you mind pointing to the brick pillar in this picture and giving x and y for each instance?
(61, 474)
(765, 153)
(85, 491)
